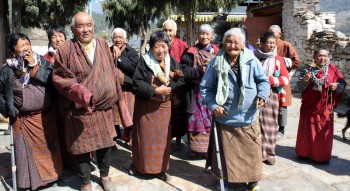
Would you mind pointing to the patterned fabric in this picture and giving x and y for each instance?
(27, 172)
(198, 141)
(240, 152)
(88, 98)
(177, 49)
(200, 119)
(268, 119)
(151, 136)
(41, 146)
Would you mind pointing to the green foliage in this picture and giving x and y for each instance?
(134, 15)
(43, 13)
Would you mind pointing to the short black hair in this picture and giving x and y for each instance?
(55, 28)
(158, 36)
(13, 38)
(318, 49)
(264, 37)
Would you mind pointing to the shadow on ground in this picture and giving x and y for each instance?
(337, 166)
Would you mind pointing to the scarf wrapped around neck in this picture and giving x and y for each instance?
(153, 64)
(222, 66)
(268, 62)
(18, 66)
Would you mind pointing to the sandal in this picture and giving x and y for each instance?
(163, 176)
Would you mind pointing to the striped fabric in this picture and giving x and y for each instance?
(27, 173)
(151, 136)
(89, 127)
(268, 119)
(240, 151)
(198, 141)
(37, 149)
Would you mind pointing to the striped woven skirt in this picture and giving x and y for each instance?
(240, 152)
(198, 141)
(151, 136)
(268, 118)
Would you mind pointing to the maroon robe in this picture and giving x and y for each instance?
(177, 49)
(315, 131)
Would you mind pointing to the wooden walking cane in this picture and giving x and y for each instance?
(13, 161)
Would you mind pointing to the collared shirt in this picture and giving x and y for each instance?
(89, 49)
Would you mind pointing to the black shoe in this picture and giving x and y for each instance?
(269, 162)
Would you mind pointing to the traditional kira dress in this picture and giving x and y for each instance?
(151, 134)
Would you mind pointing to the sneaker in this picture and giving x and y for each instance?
(107, 185)
(256, 188)
(280, 135)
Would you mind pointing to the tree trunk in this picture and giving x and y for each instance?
(16, 16)
(143, 38)
(188, 23)
(4, 21)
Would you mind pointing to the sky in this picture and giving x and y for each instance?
(96, 6)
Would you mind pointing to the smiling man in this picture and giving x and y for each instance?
(85, 75)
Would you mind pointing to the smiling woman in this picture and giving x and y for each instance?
(57, 36)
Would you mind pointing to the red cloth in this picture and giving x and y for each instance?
(315, 131)
(177, 49)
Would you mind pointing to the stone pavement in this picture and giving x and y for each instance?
(288, 174)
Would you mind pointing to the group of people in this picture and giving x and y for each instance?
(68, 106)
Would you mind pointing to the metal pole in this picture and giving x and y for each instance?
(13, 161)
(218, 158)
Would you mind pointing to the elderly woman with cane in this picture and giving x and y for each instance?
(233, 87)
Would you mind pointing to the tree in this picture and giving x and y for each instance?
(37, 14)
(190, 8)
(134, 15)
(4, 15)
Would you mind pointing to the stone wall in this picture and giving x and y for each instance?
(306, 28)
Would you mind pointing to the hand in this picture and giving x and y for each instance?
(260, 102)
(333, 86)
(171, 74)
(163, 90)
(307, 77)
(29, 57)
(116, 52)
(33, 70)
(203, 68)
(219, 111)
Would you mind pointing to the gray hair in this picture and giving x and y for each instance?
(275, 28)
(235, 31)
(119, 30)
(206, 28)
(170, 21)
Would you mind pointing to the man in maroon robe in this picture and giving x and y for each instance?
(176, 50)
(85, 74)
(322, 87)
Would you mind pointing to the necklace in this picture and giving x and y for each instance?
(319, 82)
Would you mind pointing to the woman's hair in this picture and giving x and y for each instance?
(13, 39)
(235, 31)
(158, 36)
(264, 37)
(206, 28)
(119, 30)
(318, 50)
(55, 28)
